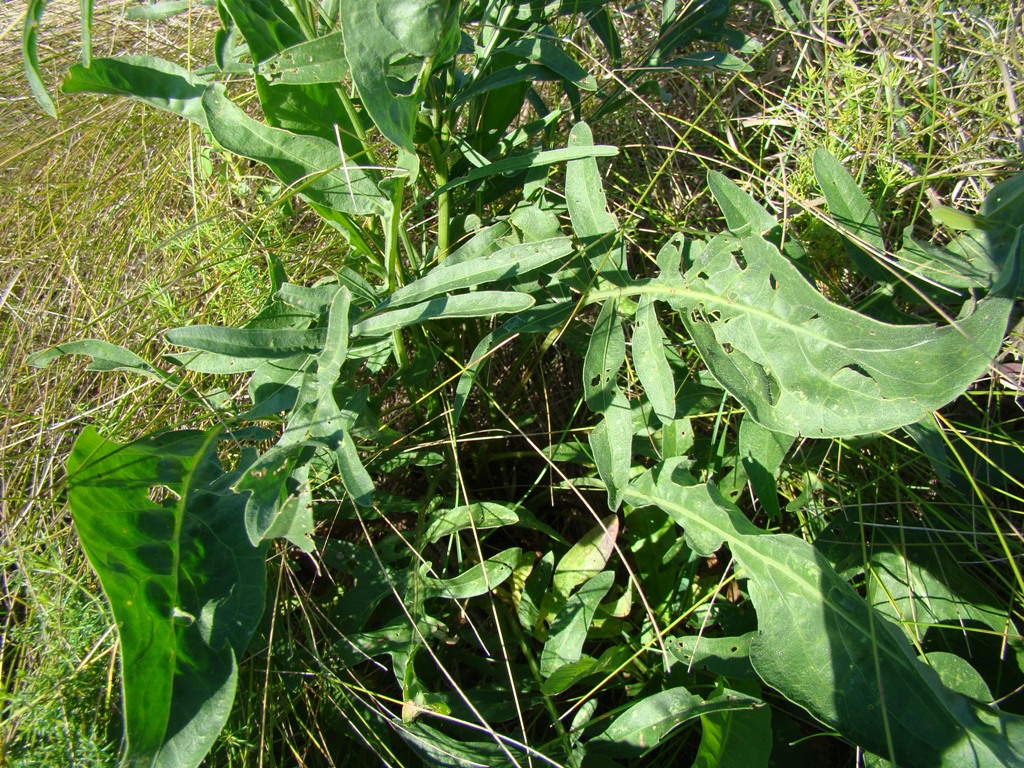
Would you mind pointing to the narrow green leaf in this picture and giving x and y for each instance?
(584, 191)
(546, 52)
(585, 559)
(743, 214)
(652, 368)
(479, 304)
(852, 213)
(185, 585)
(478, 579)
(478, 517)
(248, 342)
(354, 477)
(605, 355)
(30, 56)
(725, 656)
(644, 725)
(761, 454)
(570, 625)
(612, 443)
(505, 264)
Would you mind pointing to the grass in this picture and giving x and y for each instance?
(116, 227)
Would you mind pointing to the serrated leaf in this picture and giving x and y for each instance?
(570, 625)
(185, 585)
(804, 366)
(652, 368)
(823, 648)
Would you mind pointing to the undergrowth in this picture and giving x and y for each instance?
(495, 537)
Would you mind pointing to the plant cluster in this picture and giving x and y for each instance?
(616, 576)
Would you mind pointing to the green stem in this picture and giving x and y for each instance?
(443, 200)
(394, 261)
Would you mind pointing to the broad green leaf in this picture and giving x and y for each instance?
(266, 482)
(152, 81)
(478, 304)
(314, 61)
(852, 213)
(30, 56)
(801, 365)
(652, 368)
(726, 656)
(605, 355)
(570, 625)
(505, 264)
(735, 739)
(478, 579)
(761, 454)
(646, 723)
(822, 647)
(612, 443)
(185, 585)
(565, 677)
(477, 517)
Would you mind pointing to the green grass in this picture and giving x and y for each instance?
(114, 227)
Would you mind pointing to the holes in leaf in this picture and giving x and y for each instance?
(855, 368)
(162, 495)
(773, 282)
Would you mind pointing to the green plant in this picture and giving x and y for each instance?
(178, 524)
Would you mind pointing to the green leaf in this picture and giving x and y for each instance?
(254, 343)
(317, 166)
(479, 304)
(507, 263)
(477, 517)
(570, 625)
(726, 656)
(547, 53)
(266, 481)
(354, 477)
(853, 215)
(761, 454)
(823, 648)
(584, 560)
(735, 739)
(584, 191)
(644, 725)
(314, 61)
(30, 56)
(380, 32)
(605, 355)
(612, 443)
(650, 362)
(478, 579)
(743, 215)
(801, 365)
(185, 585)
